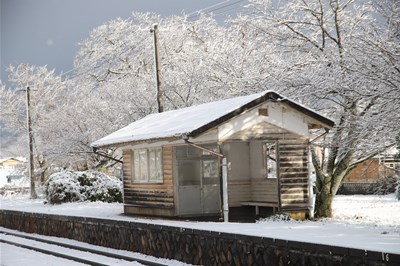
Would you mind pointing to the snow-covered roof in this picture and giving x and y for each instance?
(195, 120)
(20, 159)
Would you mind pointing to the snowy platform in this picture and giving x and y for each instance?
(361, 222)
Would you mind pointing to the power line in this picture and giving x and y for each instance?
(217, 4)
(196, 13)
(229, 10)
(234, 3)
(212, 8)
(192, 15)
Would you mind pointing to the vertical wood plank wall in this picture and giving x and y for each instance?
(293, 169)
(149, 198)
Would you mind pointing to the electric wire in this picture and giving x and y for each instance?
(192, 15)
(200, 10)
(73, 74)
(197, 13)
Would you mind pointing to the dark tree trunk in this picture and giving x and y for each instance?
(324, 205)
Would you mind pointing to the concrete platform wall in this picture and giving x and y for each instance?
(197, 247)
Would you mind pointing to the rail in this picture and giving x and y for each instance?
(53, 252)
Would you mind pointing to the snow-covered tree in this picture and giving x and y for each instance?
(334, 55)
(112, 84)
(340, 58)
(121, 53)
(46, 94)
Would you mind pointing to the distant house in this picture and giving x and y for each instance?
(366, 172)
(11, 163)
(370, 171)
(390, 160)
(240, 154)
(11, 169)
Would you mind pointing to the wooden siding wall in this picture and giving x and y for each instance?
(246, 181)
(259, 190)
(153, 198)
(238, 191)
(293, 170)
(293, 167)
(239, 185)
(264, 190)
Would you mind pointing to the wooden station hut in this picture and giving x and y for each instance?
(218, 157)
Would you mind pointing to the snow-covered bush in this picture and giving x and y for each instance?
(398, 190)
(283, 217)
(82, 186)
(383, 186)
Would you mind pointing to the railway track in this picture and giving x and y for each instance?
(86, 255)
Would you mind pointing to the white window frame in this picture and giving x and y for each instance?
(143, 167)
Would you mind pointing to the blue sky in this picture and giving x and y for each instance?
(47, 32)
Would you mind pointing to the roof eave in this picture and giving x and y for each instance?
(230, 115)
(270, 95)
(135, 142)
(325, 122)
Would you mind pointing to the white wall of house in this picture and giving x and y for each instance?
(257, 169)
(279, 116)
(239, 160)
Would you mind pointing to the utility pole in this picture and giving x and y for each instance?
(160, 99)
(30, 142)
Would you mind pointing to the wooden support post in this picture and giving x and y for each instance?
(31, 169)
(225, 189)
(160, 99)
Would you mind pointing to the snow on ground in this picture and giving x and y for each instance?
(363, 222)
(15, 256)
(374, 210)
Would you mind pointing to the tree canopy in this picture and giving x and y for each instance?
(341, 58)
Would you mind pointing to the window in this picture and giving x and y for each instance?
(189, 173)
(210, 172)
(193, 152)
(197, 167)
(210, 168)
(269, 150)
(147, 166)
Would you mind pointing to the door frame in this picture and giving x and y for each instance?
(177, 186)
(277, 158)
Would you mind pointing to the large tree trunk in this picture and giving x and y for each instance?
(324, 195)
(324, 205)
(327, 184)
